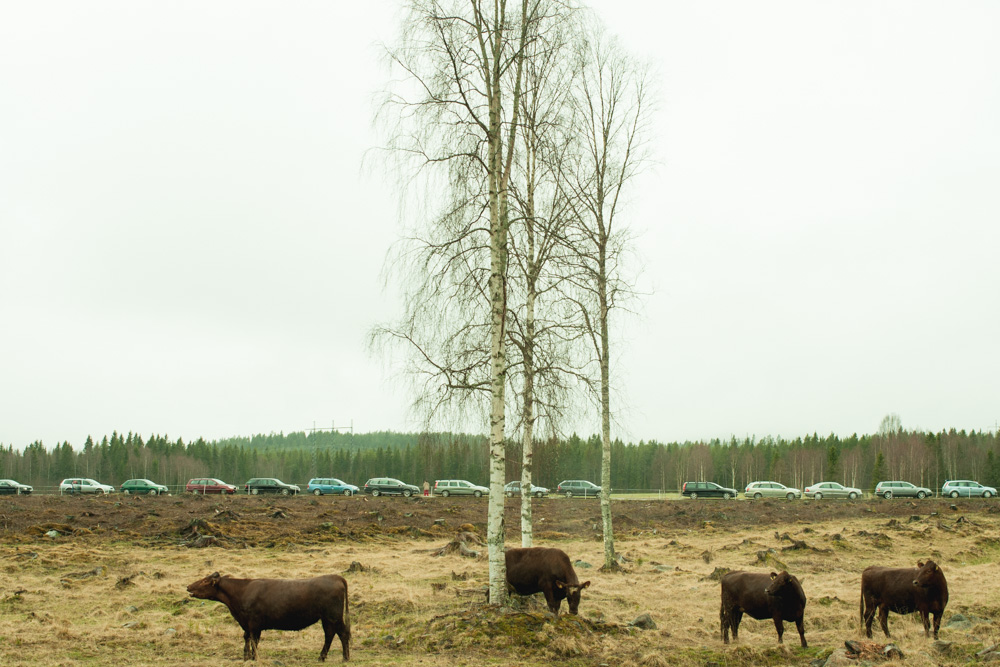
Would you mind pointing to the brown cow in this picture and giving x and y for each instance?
(775, 596)
(281, 604)
(540, 569)
(903, 590)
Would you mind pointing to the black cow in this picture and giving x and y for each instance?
(903, 590)
(545, 570)
(281, 604)
(776, 596)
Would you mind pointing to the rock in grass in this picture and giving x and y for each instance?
(643, 622)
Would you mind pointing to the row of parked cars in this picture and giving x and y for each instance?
(961, 488)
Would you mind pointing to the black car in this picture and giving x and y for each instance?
(269, 485)
(695, 490)
(9, 486)
(387, 486)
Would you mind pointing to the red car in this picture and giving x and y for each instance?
(208, 485)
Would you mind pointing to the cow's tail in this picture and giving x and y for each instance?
(347, 609)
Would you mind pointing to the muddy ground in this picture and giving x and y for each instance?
(259, 521)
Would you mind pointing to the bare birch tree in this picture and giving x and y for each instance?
(455, 118)
(611, 103)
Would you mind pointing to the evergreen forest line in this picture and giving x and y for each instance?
(927, 459)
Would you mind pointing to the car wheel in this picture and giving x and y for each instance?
(987, 494)
(757, 496)
(818, 496)
(852, 495)
(954, 494)
(921, 495)
(152, 492)
(479, 494)
(790, 496)
(509, 494)
(126, 492)
(887, 495)
(569, 494)
(347, 492)
(444, 494)
(285, 492)
(317, 492)
(407, 493)
(254, 492)
(727, 496)
(375, 492)
(694, 496)
(538, 494)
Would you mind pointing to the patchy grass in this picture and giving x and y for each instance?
(105, 599)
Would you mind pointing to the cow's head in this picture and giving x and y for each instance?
(785, 585)
(207, 588)
(928, 574)
(572, 594)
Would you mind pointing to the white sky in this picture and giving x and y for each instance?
(190, 246)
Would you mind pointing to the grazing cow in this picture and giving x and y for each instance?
(281, 604)
(903, 590)
(547, 570)
(776, 596)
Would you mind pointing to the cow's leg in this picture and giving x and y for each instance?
(779, 625)
(551, 600)
(328, 631)
(937, 622)
(801, 627)
(737, 616)
(246, 645)
(254, 641)
(724, 622)
(869, 615)
(926, 620)
(883, 618)
(345, 639)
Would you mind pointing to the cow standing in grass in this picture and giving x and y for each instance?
(903, 590)
(776, 596)
(547, 571)
(281, 604)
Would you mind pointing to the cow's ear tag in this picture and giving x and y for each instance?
(560, 584)
(584, 585)
(774, 575)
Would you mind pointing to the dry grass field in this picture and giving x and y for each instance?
(109, 589)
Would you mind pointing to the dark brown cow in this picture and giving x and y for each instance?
(540, 569)
(903, 590)
(776, 596)
(281, 604)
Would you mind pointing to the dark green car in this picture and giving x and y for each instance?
(143, 487)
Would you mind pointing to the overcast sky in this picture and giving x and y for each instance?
(190, 246)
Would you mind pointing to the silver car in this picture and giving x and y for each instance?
(831, 490)
(966, 489)
(758, 490)
(889, 490)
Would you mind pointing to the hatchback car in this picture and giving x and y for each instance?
(389, 486)
(695, 490)
(208, 485)
(889, 490)
(458, 487)
(965, 488)
(759, 490)
(10, 487)
(143, 486)
(578, 487)
(259, 485)
(514, 489)
(831, 490)
(75, 485)
(319, 486)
